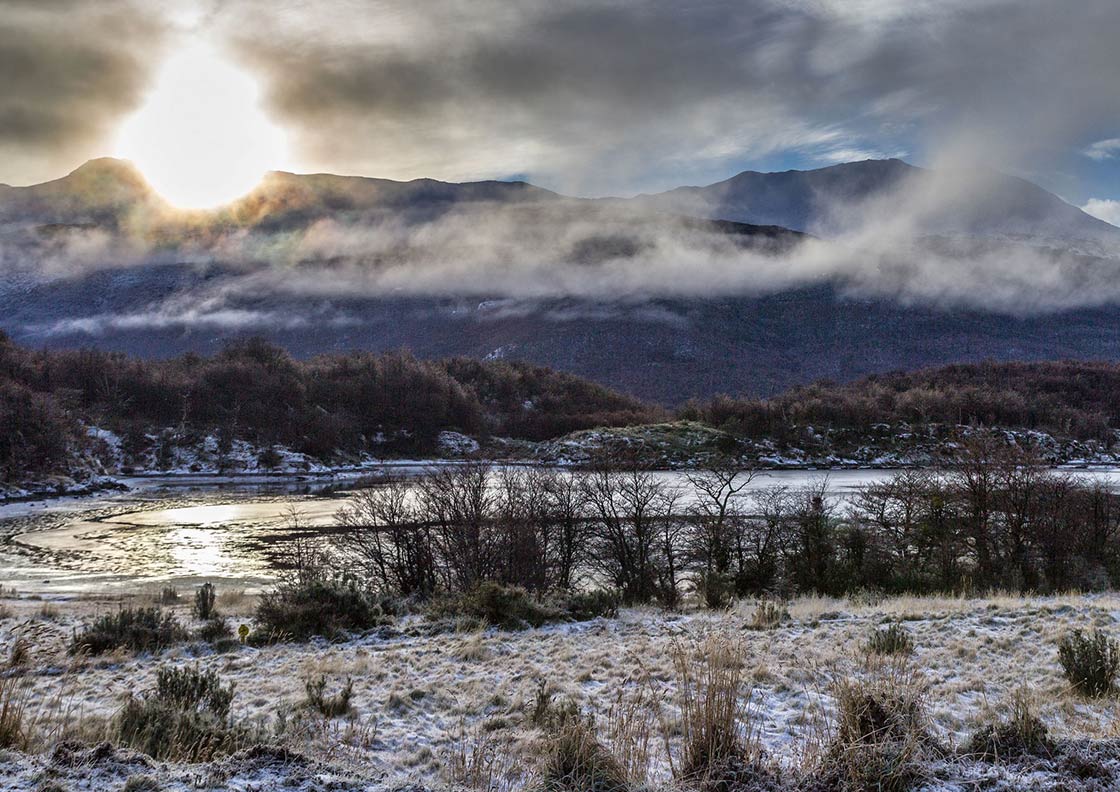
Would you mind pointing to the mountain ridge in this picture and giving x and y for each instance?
(96, 258)
(797, 199)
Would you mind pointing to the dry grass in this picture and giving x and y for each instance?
(881, 732)
(768, 614)
(714, 702)
(20, 653)
(1022, 732)
(13, 708)
(578, 762)
(414, 691)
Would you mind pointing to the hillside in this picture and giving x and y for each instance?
(329, 407)
(1065, 398)
(828, 200)
(663, 306)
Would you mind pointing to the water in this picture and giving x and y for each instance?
(230, 532)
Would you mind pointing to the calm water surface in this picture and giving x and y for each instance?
(232, 533)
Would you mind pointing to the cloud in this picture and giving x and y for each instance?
(598, 96)
(515, 256)
(1103, 149)
(1103, 209)
(586, 96)
(71, 71)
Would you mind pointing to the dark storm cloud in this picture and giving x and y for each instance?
(70, 70)
(591, 96)
(602, 94)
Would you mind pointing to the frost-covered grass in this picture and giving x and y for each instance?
(428, 707)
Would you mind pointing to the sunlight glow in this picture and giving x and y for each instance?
(201, 139)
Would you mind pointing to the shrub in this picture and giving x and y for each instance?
(191, 688)
(505, 607)
(169, 595)
(1090, 662)
(715, 589)
(328, 706)
(204, 602)
(586, 605)
(299, 609)
(139, 629)
(890, 640)
(270, 458)
(1022, 734)
(214, 630)
(185, 719)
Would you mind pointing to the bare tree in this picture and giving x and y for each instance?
(625, 506)
(384, 535)
(716, 544)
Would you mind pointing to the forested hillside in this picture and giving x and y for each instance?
(256, 392)
(1069, 398)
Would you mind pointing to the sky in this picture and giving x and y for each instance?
(594, 97)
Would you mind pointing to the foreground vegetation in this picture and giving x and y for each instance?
(838, 694)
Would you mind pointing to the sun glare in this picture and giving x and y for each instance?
(201, 138)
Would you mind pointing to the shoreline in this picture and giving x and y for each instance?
(140, 482)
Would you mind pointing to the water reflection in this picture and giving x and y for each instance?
(187, 537)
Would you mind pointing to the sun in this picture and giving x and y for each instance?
(201, 139)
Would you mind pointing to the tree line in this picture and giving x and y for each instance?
(1079, 399)
(992, 518)
(255, 391)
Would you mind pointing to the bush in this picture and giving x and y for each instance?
(891, 640)
(716, 590)
(270, 458)
(586, 605)
(185, 719)
(190, 688)
(139, 629)
(505, 607)
(299, 609)
(204, 602)
(214, 630)
(1089, 662)
(1022, 734)
(328, 706)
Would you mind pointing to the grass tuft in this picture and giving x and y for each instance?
(890, 640)
(329, 706)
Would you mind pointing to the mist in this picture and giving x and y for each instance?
(899, 245)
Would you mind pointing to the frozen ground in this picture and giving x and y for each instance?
(422, 701)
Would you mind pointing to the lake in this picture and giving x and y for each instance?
(185, 531)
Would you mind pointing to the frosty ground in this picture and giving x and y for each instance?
(432, 708)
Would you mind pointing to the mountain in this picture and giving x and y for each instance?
(825, 201)
(667, 297)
